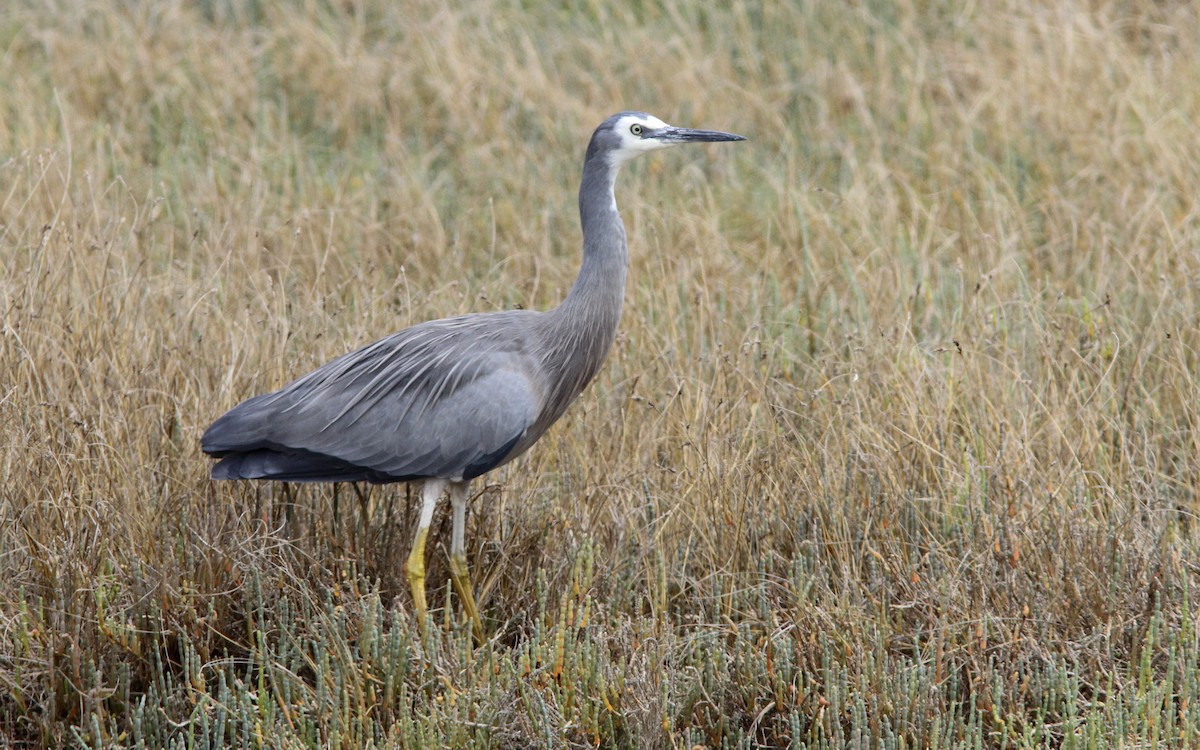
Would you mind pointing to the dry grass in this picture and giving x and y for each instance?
(897, 448)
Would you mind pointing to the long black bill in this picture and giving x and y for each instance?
(687, 135)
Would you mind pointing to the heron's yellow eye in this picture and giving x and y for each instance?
(636, 129)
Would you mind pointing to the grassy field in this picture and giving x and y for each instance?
(897, 447)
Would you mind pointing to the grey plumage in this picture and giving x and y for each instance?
(449, 400)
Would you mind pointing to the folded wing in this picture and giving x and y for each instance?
(450, 398)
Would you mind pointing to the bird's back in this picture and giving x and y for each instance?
(449, 398)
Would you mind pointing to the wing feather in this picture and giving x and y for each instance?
(446, 398)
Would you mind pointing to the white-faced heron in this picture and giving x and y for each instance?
(445, 401)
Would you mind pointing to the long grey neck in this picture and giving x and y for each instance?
(583, 326)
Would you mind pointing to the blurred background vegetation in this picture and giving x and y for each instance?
(897, 446)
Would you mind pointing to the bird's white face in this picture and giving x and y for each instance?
(632, 130)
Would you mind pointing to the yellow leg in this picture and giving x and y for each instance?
(462, 584)
(459, 495)
(414, 568)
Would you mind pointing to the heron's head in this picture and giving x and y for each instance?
(629, 134)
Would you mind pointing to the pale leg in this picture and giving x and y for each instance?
(431, 492)
(459, 493)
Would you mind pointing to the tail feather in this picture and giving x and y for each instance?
(265, 463)
(241, 429)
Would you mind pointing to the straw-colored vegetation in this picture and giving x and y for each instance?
(897, 448)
